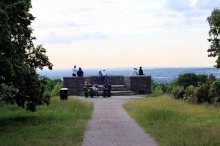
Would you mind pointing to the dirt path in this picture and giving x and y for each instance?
(110, 125)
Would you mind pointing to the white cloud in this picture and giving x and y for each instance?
(121, 26)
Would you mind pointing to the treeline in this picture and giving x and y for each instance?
(191, 88)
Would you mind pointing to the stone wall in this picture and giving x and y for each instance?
(137, 84)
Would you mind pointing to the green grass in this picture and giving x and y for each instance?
(61, 123)
(177, 123)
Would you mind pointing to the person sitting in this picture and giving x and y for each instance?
(74, 71)
(87, 84)
(141, 71)
(80, 72)
(135, 73)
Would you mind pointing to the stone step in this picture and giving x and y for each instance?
(116, 87)
(119, 92)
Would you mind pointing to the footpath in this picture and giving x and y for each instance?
(110, 125)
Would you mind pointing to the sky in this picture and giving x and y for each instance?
(124, 33)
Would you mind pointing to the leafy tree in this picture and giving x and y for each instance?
(214, 23)
(19, 58)
(211, 78)
(202, 78)
(187, 79)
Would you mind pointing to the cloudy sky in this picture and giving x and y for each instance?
(124, 33)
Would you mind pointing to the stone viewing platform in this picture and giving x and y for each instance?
(136, 84)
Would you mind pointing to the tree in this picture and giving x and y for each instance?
(19, 58)
(187, 79)
(214, 32)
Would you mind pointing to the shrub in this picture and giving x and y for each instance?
(203, 93)
(158, 90)
(178, 92)
(190, 94)
(56, 90)
(215, 91)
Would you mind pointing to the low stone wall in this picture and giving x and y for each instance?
(137, 84)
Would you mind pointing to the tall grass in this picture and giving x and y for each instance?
(177, 123)
(61, 123)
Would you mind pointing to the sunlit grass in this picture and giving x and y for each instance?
(177, 123)
(61, 123)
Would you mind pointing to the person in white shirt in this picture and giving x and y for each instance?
(135, 72)
(104, 74)
(74, 71)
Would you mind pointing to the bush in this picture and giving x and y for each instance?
(56, 89)
(215, 91)
(178, 92)
(157, 89)
(190, 94)
(203, 94)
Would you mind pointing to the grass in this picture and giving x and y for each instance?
(176, 123)
(61, 123)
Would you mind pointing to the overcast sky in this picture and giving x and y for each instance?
(124, 33)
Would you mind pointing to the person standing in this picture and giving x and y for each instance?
(74, 71)
(100, 77)
(80, 72)
(141, 71)
(104, 74)
(135, 73)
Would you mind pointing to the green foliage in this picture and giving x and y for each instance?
(190, 88)
(211, 78)
(178, 92)
(202, 93)
(52, 83)
(190, 94)
(188, 79)
(157, 89)
(19, 58)
(7, 93)
(214, 23)
(202, 79)
(215, 91)
(56, 89)
(54, 86)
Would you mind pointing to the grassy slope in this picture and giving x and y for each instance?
(61, 123)
(176, 123)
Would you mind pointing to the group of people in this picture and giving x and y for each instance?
(103, 74)
(102, 77)
(78, 72)
(136, 73)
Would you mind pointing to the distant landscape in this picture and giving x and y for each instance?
(159, 75)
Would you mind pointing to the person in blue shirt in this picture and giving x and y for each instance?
(80, 72)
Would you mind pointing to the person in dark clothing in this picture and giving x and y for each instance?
(80, 72)
(141, 71)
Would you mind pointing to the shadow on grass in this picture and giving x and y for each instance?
(25, 120)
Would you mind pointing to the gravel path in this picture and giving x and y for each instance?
(110, 125)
